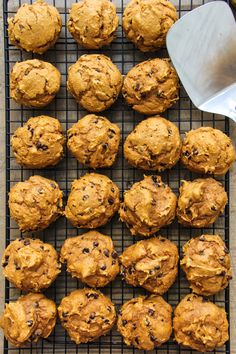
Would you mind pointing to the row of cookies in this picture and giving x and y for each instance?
(32, 265)
(144, 322)
(94, 80)
(154, 144)
(148, 205)
(92, 23)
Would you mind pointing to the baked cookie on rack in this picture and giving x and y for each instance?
(35, 203)
(154, 144)
(93, 200)
(86, 314)
(200, 324)
(152, 264)
(148, 206)
(146, 23)
(39, 142)
(207, 150)
(206, 263)
(151, 86)
(35, 27)
(34, 83)
(29, 264)
(200, 202)
(93, 23)
(94, 141)
(91, 257)
(94, 81)
(31, 317)
(145, 322)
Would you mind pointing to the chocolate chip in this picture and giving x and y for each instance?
(114, 255)
(134, 326)
(110, 201)
(29, 323)
(143, 94)
(85, 197)
(152, 337)
(92, 296)
(106, 321)
(17, 266)
(137, 87)
(223, 273)
(40, 146)
(124, 322)
(187, 153)
(111, 133)
(106, 253)
(159, 275)
(85, 250)
(36, 305)
(64, 314)
(105, 146)
(226, 250)
(154, 178)
(103, 267)
(195, 152)
(109, 308)
(95, 244)
(169, 132)
(201, 252)
(229, 277)
(147, 322)
(213, 208)
(113, 190)
(202, 238)
(157, 267)
(120, 312)
(92, 316)
(113, 262)
(5, 263)
(151, 312)
(27, 242)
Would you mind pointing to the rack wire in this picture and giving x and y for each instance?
(64, 107)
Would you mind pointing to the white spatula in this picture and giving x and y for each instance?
(202, 47)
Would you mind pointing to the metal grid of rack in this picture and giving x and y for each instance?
(64, 107)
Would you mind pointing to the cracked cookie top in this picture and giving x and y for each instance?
(39, 142)
(151, 87)
(34, 83)
(94, 81)
(207, 150)
(93, 23)
(35, 203)
(35, 27)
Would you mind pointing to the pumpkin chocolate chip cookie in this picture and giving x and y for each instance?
(34, 83)
(93, 200)
(39, 143)
(201, 202)
(148, 206)
(28, 319)
(31, 265)
(200, 324)
(94, 141)
(93, 23)
(35, 27)
(94, 81)
(91, 258)
(206, 263)
(86, 314)
(152, 264)
(35, 203)
(151, 87)
(146, 23)
(154, 144)
(145, 322)
(207, 150)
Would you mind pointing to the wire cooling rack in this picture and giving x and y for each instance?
(64, 107)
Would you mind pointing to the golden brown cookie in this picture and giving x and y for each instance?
(152, 264)
(91, 258)
(151, 87)
(86, 314)
(154, 144)
(93, 23)
(35, 203)
(34, 83)
(145, 322)
(207, 150)
(146, 23)
(148, 206)
(35, 27)
(200, 202)
(29, 264)
(94, 141)
(28, 319)
(39, 142)
(207, 265)
(200, 324)
(94, 81)
(93, 200)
